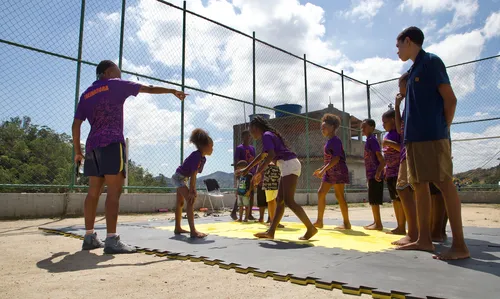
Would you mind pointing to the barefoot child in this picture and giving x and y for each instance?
(271, 183)
(244, 189)
(405, 191)
(334, 171)
(391, 147)
(246, 152)
(374, 164)
(188, 170)
(275, 149)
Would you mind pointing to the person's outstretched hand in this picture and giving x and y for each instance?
(180, 95)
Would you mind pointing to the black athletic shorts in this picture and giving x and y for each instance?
(261, 197)
(391, 186)
(434, 190)
(375, 192)
(101, 161)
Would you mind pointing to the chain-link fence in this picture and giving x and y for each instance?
(49, 51)
(475, 132)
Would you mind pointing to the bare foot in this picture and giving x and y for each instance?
(238, 220)
(397, 231)
(417, 246)
(309, 234)
(345, 226)
(318, 224)
(246, 220)
(261, 220)
(264, 235)
(453, 254)
(440, 239)
(374, 227)
(180, 231)
(197, 234)
(369, 225)
(403, 241)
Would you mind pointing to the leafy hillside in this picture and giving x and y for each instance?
(480, 176)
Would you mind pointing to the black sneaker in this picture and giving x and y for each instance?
(113, 245)
(91, 242)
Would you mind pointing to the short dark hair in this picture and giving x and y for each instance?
(332, 120)
(200, 138)
(245, 133)
(414, 34)
(241, 163)
(102, 67)
(391, 113)
(404, 77)
(369, 122)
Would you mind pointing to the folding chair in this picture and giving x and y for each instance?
(213, 190)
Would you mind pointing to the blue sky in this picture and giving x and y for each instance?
(356, 36)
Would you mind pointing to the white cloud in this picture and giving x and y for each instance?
(431, 25)
(230, 150)
(459, 48)
(492, 26)
(464, 11)
(481, 114)
(474, 154)
(364, 9)
(139, 69)
(112, 17)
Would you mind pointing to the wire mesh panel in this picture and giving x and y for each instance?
(218, 59)
(37, 108)
(279, 77)
(152, 43)
(49, 25)
(101, 34)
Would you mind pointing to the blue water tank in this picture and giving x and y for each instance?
(292, 108)
(263, 115)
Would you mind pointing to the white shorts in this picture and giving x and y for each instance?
(289, 167)
(271, 195)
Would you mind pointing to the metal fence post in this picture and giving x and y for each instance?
(368, 99)
(308, 144)
(183, 75)
(77, 85)
(254, 83)
(122, 32)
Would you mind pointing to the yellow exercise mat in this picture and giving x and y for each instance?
(356, 238)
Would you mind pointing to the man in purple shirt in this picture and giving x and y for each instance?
(244, 152)
(102, 104)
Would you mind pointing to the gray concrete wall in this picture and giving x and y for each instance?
(38, 205)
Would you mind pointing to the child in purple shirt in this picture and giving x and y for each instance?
(244, 152)
(334, 172)
(275, 149)
(391, 147)
(192, 165)
(374, 164)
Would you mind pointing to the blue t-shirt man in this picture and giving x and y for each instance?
(424, 114)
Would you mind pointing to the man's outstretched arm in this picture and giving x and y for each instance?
(161, 90)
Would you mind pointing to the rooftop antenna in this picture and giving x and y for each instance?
(330, 99)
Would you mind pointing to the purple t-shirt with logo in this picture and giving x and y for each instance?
(192, 163)
(338, 174)
(246, 153)
(102, 104)
(391, 155)
(272, 142)
(402, 156)
(371, 161)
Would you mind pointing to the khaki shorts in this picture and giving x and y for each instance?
(429, 161)
(402, 182)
